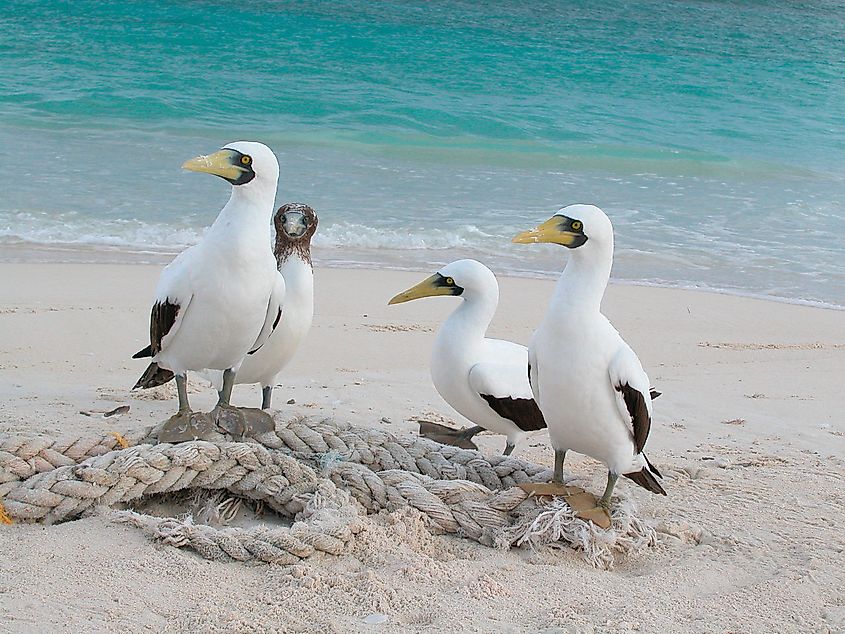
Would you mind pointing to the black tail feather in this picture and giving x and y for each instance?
(143, 354)
(645, 478)
(153, 376)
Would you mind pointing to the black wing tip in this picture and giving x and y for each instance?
(153, 376)
(143, 354)
(651, 467)
(522, 412)
(640, 419)
(654, 393)
(645, 478)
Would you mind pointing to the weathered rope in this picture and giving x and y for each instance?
(311, 440)
(21, 457)
(326, 524)
(363, 471)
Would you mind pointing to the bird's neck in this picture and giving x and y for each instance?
(286, 249)
(582, 284)
(470, 320)
(299, 278)
(244, 222)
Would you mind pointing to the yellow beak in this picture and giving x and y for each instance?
(553, 231)
(429, 287)
(220, 164)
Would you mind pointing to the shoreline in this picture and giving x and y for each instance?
(33, 253)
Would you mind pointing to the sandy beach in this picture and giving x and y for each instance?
(749, 433)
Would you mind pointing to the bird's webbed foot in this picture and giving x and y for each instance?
(584, 504)
(186, 425)
(242, 422)
(598, 515)
(257, 421)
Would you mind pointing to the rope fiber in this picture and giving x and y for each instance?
(321, 476)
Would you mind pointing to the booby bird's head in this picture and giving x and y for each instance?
(295, 225)
(573, 227)
(295, 222)
(243, 164)
(460, 278)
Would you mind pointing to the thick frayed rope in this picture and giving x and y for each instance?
(326, 524)
(361, 471)
(21, 457)
(556, 525)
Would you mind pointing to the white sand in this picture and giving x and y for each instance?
(749, 433)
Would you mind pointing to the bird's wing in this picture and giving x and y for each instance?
(172, 297)
(532, 375)
(633, 396)
(275, 309)
(505, 388)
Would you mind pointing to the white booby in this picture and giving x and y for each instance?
(484, 380)
(295, 225)
(220, 299)
(589, 384)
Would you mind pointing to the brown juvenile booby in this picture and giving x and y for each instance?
(295, 226)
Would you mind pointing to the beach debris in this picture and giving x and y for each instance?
(291, 401)
(376, 619)
(323, 478)
(117, 411)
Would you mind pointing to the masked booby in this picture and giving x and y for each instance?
(589, 384)
(484, 380)
(295, 225)
(221, 298)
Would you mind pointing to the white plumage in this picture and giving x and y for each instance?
(589, 384)
(484, 380)
(295, 225)
(218, 299)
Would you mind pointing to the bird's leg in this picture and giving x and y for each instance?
(225, 393)
(229, 420)
(266, 396)
(560, 456)
(185, 424)
(182, 391)
(508, 449)
(604, 502)
(556, 487)
(598, 512)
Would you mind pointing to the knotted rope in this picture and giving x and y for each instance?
(363, 471)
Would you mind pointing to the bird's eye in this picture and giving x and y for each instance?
(576, 225)
(450, 281)
(246, 160)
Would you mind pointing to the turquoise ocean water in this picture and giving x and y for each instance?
(713, 133)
